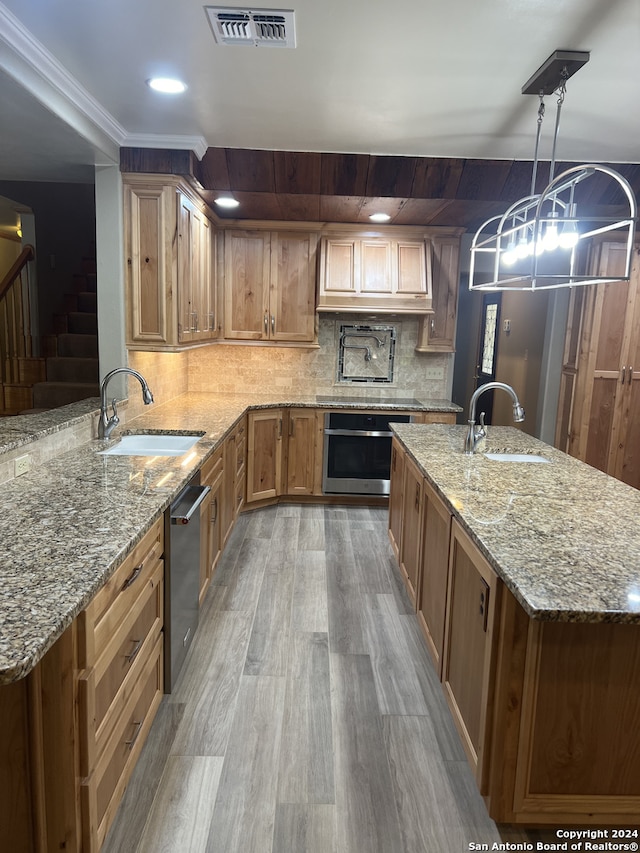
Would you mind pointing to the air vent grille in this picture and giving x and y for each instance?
(263, 28)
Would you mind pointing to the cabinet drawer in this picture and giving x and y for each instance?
(121, 752)
(212, 468)
(114, 601)
(118, 668)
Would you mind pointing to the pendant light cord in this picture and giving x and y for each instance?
(538, 132)
(561, 90)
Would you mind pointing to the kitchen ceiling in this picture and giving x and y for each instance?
(408, 79)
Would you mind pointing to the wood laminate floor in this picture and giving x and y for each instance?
(308, 717)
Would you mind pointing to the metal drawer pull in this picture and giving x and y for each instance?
(133, 654)
(623, 372)
(630, 373)
(273, 324)
(266, 325)
(132, 577)
(214, 507)
(138, 727)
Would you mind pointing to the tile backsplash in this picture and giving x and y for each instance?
(254, 368)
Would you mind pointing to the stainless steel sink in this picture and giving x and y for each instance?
(152, 445)
(516, 457)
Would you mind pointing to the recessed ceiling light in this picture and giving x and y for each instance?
(227, 201)
(166, 85)
(379, 217)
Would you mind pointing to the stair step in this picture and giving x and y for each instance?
(60, 323)
(87, 301)
(82, 323)
(49, 346)
(72, 369)
(78, 346)
(52, 395)
(17, 398)
(31, 370)
(85, 283)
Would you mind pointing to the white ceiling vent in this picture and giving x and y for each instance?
(257, 27)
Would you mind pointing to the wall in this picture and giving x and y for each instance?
(165, 372)
(65, 229)
(520, 356)
(254, 368)
(9, 251)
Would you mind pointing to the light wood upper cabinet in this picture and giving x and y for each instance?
(270, 286)
(171, 261)
(599, 411)
(436, 332)
(381, 273)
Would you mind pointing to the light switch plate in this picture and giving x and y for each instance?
(436, 373)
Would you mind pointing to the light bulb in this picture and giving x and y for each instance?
(510, 254)
(550, 239)
(523, 249)
(569, 235)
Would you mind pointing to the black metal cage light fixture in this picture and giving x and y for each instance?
(537, 242)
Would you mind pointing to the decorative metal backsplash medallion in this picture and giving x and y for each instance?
(365, 354)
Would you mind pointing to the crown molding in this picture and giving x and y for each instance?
(175, 142)
(29, 62)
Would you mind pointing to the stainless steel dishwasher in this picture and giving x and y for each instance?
(182, 577)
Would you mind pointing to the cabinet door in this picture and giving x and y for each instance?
(376, 271)
(210, 529)
(469, 653)
(264, 456)
(340, 266)
(227, 508)
(411, 527)
(149, 224)
(395, 497)
(436, 331)
(301, 451)
(202, 280)
(293, 287)
(247, 275)
(434, 572)
(187, 269)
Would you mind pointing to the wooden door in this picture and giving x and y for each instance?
(202, 284)
(469, 651)
(434, 572)
(247, 275)
(293, 286)
(396, 490)
(411, 527)
(411, 263)
(341, 266)
(264, 456)
(301, 451)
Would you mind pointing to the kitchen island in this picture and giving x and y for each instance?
(526, 581)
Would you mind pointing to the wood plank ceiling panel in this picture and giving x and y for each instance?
(297, 172)
(483, 180)
(299, 207)
(344, 174)
(421, 211)
(212, 171)
(340, 208)
(251, 171)
(390, 176)
(436, 177)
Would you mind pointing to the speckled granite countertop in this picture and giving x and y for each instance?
(67, 525)
(564, 537)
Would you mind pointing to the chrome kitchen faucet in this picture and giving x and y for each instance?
(475, 433)
(107, 425)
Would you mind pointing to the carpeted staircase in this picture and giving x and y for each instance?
(68, 368)
(72, 372)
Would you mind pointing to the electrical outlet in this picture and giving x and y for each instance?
(22, 464)
(436, 373)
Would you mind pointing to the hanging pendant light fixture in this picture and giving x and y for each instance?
(540, 241)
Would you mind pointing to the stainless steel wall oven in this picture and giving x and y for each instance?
(357, 452)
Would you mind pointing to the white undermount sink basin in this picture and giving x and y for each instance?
(152, 445)
(516, 457)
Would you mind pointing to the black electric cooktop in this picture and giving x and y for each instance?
(370, 401)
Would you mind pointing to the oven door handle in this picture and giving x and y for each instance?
(359, 432)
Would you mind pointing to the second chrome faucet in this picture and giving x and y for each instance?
(479, 431)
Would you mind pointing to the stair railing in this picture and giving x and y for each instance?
(15, 317)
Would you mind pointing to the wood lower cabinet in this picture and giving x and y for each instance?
(468, 664)
(284, 454)
(212, 475)
(434, 571)
(396, 493)
(411, 542)
(120, 681)
(234, 479)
